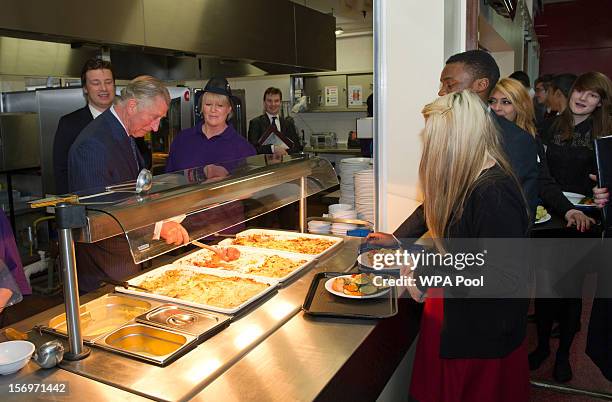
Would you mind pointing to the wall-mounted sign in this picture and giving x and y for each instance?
(331, 96)
(355, 95)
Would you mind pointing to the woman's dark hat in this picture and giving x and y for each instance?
(219, 86)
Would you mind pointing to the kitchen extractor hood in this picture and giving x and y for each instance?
(249, 37)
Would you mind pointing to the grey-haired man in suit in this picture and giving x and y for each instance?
(104, 154)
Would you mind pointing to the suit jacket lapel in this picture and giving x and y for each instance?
(122, 140)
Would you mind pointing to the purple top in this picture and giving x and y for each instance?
(10, 255)
(191, 148)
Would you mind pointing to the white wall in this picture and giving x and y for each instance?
(355, 53)
(411, 51)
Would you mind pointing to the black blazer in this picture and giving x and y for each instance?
(68, 129)
(522, 151)
(259, 125)
(102, 156)
(549, 190)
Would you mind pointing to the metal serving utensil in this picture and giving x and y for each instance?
(49, 354)
(143, 183)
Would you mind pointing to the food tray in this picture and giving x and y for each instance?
(287, 235)
(258, 255)
(202, 324)
(101, 316)
(320, 302)
(215, 272)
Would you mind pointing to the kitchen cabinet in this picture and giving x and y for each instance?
(333, 92)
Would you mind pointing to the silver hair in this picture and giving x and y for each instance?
(144, 89)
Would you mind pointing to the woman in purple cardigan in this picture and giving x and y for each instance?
(213, 141)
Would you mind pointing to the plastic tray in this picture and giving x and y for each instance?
(320, 302)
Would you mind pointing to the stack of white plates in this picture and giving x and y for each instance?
(341, 228)
(319, 227)
(348, 167)
(364, 194)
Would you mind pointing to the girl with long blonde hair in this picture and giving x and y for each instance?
(510, 99)
(469, 346)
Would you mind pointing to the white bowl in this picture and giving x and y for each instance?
(14, 355)
(339, 207)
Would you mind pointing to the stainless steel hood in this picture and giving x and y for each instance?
(252, 36)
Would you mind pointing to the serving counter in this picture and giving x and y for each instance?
(270, 352)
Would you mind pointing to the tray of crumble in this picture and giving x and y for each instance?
(210, 289)
(293, 242)
(265, 263)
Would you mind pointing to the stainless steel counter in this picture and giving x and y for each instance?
(272, 352)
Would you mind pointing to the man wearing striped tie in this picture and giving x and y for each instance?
(105, 154)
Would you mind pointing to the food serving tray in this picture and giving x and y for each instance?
(282, 235)
(155, 273)
(250, 257)
(320, 302)
(201, 324)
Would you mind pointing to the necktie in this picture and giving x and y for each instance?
(274, 121)
(135, 152)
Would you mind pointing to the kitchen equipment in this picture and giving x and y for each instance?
(49, 354)
(233, 255)
(14, 355)
(151, 344)
(101, 316)
(19, 141)
(143, 183)
(365, 127)
(323, 140)
(202, 324)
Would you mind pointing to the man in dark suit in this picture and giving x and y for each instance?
(98, 83)
(477, 71)
(104, 154)
(264, 130)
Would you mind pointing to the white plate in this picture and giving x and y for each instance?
(545, 218)
(328, 287)
(575, 199)
(363, 260)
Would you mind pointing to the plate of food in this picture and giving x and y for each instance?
(580, 200)
(355, 286)
(542, 215)
(375, 259)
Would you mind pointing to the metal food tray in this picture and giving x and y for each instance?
(320, 302)
(201, 324)
(310, 260)
(101, 316)
(281, 234)
(215, 272)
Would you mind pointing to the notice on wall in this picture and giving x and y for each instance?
(355, 95)
(331, 96)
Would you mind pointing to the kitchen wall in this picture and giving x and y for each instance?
(353, 53)
(408, 73)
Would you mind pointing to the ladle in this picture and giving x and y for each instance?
(144, 182)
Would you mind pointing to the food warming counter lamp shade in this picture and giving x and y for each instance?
(255, 186)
